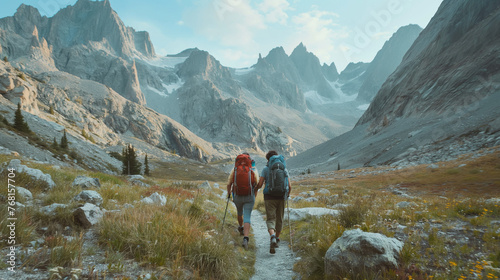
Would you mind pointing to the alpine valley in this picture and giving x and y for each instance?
(394, 164)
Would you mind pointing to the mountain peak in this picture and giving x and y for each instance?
(202, 63)
(300, 48)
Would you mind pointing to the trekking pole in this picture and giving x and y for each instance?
(289, 225)
(225, 212)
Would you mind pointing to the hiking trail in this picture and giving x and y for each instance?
(268, 266)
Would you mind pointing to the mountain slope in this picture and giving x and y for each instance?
(443, 99)
(387, 60)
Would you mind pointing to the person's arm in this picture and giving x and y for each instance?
(289, 184)
(230, 181)
(260, 183)
(289, 187)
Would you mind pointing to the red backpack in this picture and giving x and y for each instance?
(243, 175)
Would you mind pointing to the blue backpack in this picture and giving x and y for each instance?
(278, 178)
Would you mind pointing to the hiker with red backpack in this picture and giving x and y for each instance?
(276, 191)
(241, 184)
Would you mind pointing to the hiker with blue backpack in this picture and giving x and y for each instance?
(241, 184)
(276, 191)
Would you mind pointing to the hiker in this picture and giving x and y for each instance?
(241, 184)
(276, 191)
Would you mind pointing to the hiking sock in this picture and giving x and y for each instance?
(245, 242)
(272, 250)
(277, 242)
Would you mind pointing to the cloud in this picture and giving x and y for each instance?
(230, 22)
(319, 31)
(275, 10)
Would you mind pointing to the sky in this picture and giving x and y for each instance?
(236, 31)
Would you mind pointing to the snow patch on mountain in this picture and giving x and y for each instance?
(243, 71)
(174, 86)
(342, 97)
(313, 96)
(165, 61)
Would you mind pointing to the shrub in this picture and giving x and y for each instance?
(353, 214)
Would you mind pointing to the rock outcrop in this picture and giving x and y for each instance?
(35, 174)
(85, 182)
(330, 72)
(358, 252)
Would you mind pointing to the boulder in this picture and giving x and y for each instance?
(24, 193)
(303, 213)
(324, 191)
(88, 215)
(136, 180)
(358, 252)
(205, 185)
(86, 182)
(34, 173)
(135, 177)
(89, 196)
(311, 199)
(7, 82)
(51, 209)
(155, 198)
(406, 204)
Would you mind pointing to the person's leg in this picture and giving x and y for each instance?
(271, 223)
(270, 216)
(238, 202)
(280, 212)
(247, 214)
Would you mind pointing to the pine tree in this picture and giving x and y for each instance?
(146, 166)
(64, 141)
(19, 123)
(5, 59)
(131, 166)
(51, 110)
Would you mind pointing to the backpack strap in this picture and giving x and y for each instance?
(234, 181)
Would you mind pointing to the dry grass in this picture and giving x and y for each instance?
(441, 200)
(179, 240)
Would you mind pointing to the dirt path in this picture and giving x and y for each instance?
(267, 266)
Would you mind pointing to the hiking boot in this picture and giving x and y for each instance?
(273, 245)
(245, 243)
(240, 229)
(278, 240)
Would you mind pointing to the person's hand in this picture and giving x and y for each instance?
(228, 195)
